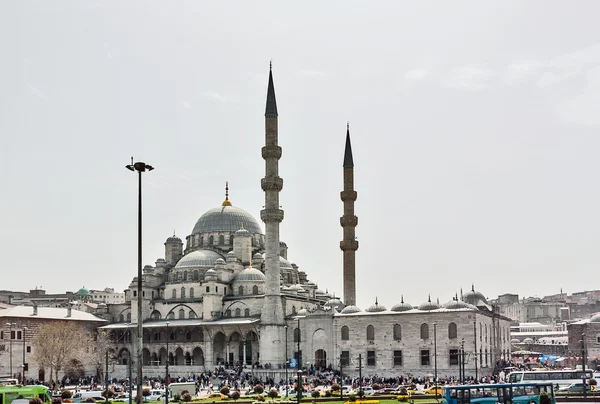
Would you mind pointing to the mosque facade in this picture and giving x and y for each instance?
(227, 295)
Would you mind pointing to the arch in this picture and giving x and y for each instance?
(246, 312)
(297, 335)
(241, 291)
(228, 313)
(238, 312)
(156, 315)
(219, 343)
(235, 336)
(187, 359)
(124, 356)
(198, 356)
(191, 293)
(211, 240)
(121, 318)
(181, 313)
(185, 276)
(191, 314)
(221, 240)
(174, 294)
(171, 316)
(320, 358)
(255, 290)
(424, 331)
(345, 333)
(145, 356)
(179, 356)
(183, 292)
(397, 332)
(370, 333)
(162, 356)
(452, 331)
(195, 275)
(129, 317)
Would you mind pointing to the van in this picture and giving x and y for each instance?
(156, 395)
(81, 396)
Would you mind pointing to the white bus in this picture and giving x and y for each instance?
(561, 378)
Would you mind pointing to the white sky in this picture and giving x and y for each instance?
(474, 128)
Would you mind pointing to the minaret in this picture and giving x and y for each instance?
(272, 331)
(349, 245)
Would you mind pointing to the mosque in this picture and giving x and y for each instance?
(228, 296)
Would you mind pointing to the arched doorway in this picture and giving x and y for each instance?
(179, 357)
(41, 375)
(320, 358)
(219, 348)
(198, 356)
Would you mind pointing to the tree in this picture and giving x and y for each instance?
(58, 343)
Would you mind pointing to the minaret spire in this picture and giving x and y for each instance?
(272, 321)
(226, 202)
(349, 221)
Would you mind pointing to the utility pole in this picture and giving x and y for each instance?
(583, 357)
(106, 379)
(360, 389)
(475, 345)
(341, 379)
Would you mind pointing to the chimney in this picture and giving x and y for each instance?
(35, 309)
(69, 311)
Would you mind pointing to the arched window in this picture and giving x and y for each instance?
(238, 312)
(185, 278)
(191, 314)
(211, 240)
(370, 333)
(195, 275)
(231, 239)
(397, 332)
(228, 313)
(297, 336)
(293, 309)
(156, 315)
(171, 316)
(191, 292)
(181, 313)
(121, 318)
(221, 240)
(129, 317)
(424, 331)
(255, 290)
(201, 240)
(174, 294)
(247, 313)
(182, 292)
(241, 291)
(345, 333)
(452, 331)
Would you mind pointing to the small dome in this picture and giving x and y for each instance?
(297, 287)
(220, 261)
(334, 302)
(402, 306)
(173, 239)
(515, 341)
(376, 308)
(595, 318)
(83, 291)
(101, 305)
(231, 254)
(161, 260)
(429, 305)
(350, 310)
(243, 233)
(199, 258)
(473, 297)
(257, 256)
(250, 274)
(528, 341)
(455, 304)
(303, 312)
(319, 292)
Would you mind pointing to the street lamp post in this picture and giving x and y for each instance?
(167, 368)
(287, 387)
(462, 360)
(11, 325)
(583, 358)
(475, 345)
(435, 357)
(24, 365)
(140, 167)
(299, 387)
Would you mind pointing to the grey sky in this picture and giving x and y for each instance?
(474, 128)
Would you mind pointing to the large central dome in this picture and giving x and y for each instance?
(226, 219)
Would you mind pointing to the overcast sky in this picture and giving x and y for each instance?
(475, 129)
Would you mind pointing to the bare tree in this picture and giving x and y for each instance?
(56, 344)
(98, 347)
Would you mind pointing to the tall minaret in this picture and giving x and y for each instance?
(272, 322)
(349, 221)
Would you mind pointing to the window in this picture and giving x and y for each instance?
(182, 292)
(171, 316)
(370, 358)
(453, 357)
(134, 293)
(452, 332)
(228, 313)
(424, 357)
(241, 291)
(181, 313)
(397, 358)
(188, 335)
(185, 276)
(297, 336)
(255, 290)
(191, 292)
(121, 318)
(345, 358)
(129, 317)
(238, 312)
(174, 294)
(247, 313)
(225, 290)
(216, 289)
(345, 333)
(424, 331)
(231, 240)
(1, 334)
(208, 289)
(397, 332)
(221, 240)
(370, 333)
(195, 275)
(293, 309)
(192, 314)
(28, 349)
(19, 337)
(201, 240)
(597, 339)
(211, 240)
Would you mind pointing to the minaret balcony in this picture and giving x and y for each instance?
(271, 215)
(349, 245)
(269, 152)
(271, 183)
(349, 221)
(348, 196)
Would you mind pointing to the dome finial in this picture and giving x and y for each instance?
(226, 202)
(429, 298)
(401, 298)
(376, 304)
(472, 287)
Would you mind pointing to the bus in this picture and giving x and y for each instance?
(524, 393)
(17, 394)
(562, 378)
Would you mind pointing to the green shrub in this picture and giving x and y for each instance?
(235, 395)
(327, 393)
(403, 399)
(375, 386)
(352, 397)
(57, 400)
(87, 400)
(336, 387)
(184, 391)
(110, 393)
(258, 389)
(187, 397)
(273, 393)
(65, 394)
(225, 390)
(146, 392)
(176, 397)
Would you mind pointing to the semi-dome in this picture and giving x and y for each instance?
(199, 258)
(595, 318)
(429, 305)
(250, 274)
(376, 308)
(226, 219)
(401, 306)
(350, 310)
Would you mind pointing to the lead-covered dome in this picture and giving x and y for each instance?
(350, 310)
(376, 308)
(474, 297)
(429, 305)
(401, 306)
(226, 219)
(250, 274)
(199, 258)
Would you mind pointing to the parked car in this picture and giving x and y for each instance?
(573, 388)
(434, 390)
